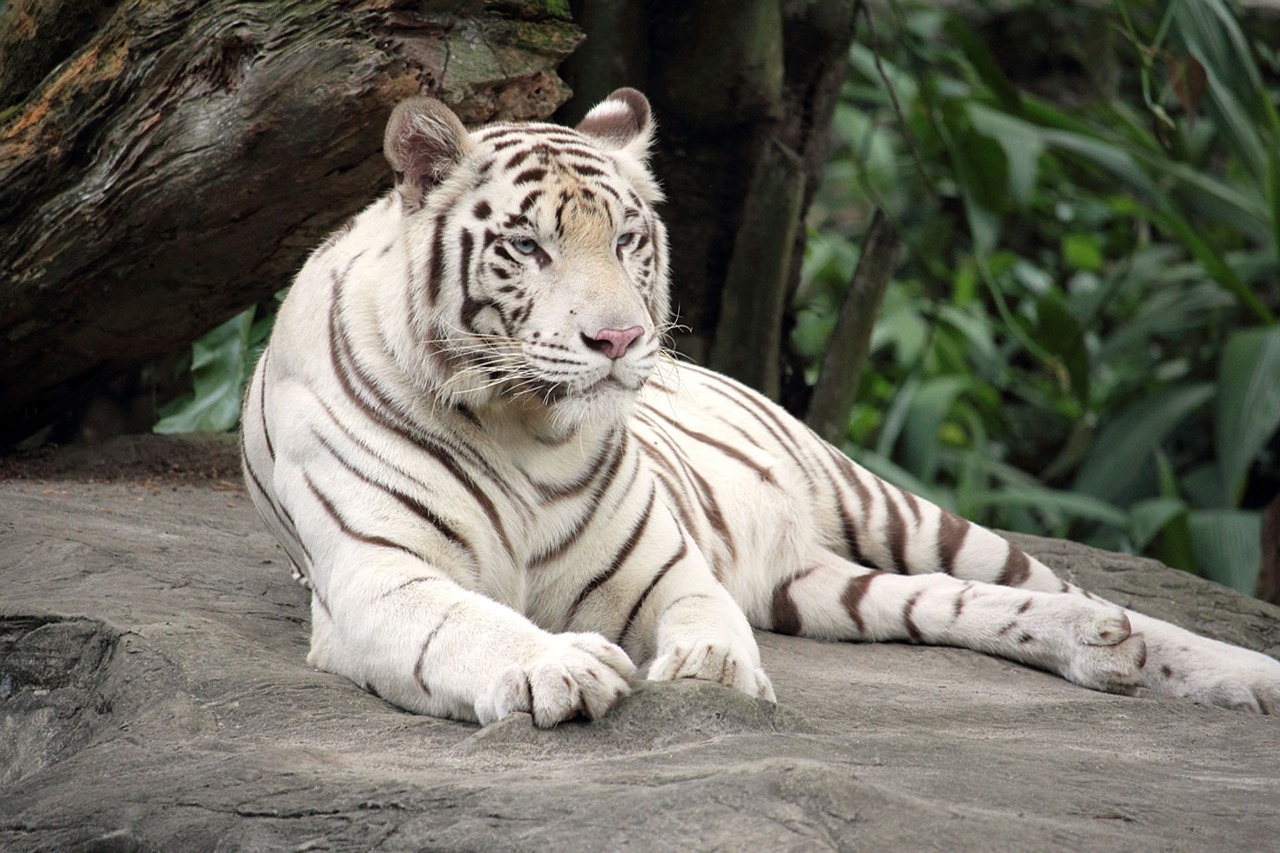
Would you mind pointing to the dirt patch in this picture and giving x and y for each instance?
(137, 459)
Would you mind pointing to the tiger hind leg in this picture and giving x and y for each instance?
(1088, 642)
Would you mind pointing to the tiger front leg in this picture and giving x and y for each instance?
(413, 636)
(698, 631)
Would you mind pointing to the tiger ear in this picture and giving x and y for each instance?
(622, 120)
(424, 141)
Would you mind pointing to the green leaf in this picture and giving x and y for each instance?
(1022, 146)
(1058, 331)
(1273, 198)
(921, 437)
(1122, 165)
(1247, 412)
(1148, 518)
(1074, 504)
(983, 62)
(1228, 546)
(1082, 251)
(219, 363)
(1119, 461)
(1237, 94)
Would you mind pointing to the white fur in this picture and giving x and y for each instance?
(494, 516)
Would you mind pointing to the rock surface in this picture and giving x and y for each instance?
(154, 695)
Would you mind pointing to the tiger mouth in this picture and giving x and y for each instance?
(555, 392)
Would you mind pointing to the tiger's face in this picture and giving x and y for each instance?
(539, 271)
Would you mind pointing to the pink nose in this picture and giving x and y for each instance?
(613, 342)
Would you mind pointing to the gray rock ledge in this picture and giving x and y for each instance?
(154, 695)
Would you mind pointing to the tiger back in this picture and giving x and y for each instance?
(504, 494)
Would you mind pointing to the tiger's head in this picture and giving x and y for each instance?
(538, 267)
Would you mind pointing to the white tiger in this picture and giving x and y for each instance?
(502, 495)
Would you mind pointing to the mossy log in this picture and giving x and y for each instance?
(165, 163)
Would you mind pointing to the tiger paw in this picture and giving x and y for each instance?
(1086, 642)
(1207, 671)
(576, 675)
(713, 660)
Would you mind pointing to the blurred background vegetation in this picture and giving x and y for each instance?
(1081, 337)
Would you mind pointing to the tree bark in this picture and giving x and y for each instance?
(837, 384)
(744, 92)
(164, 164)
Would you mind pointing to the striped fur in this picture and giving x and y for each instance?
(502, 493)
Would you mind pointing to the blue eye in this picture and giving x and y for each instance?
(524, 245)
(625, 240)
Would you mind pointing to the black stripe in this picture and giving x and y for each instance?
(413, 505)
(895, 530)
(261, 376)
(726, 449)
(584, 153)
(395, 420)
(701, 488)
(644, 596)
(284, 520)
(530, 176)
(419, 674)
(852, 597)
(467, 244)
(779, 431)
(548, 492)
(348, 530)
(849, 473)
(530, 200)
(592, 506)
(628, 545)
(909, 623)
(435, 267)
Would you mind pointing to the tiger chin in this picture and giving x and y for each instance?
(503, 496)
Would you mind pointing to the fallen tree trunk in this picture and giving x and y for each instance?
(164, 164)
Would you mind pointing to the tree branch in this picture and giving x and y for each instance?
(841, 370)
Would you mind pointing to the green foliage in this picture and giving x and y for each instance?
(1082, 340)
(221, 363)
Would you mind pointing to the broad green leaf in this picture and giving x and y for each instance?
(901, 326)
(895, 417)
(1148, 518)
(983, 171)
(1228, 546)
(1248, 405)
(1082, 251)
(1122, 452)
(1022, 146)
(1110, 157)
(1177, 308)
(1121, 164)
(921, 437)
(1201, 487)
(219, 363)
(1273, 198)
(1058, 331)
(976, 328)
(1243, 105)
(1073, 504)
(983, 62)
